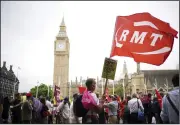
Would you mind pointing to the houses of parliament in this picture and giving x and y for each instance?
(143, 81)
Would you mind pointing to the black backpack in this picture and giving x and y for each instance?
(78, 107)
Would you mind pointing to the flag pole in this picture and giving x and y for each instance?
(102, 85)
(48, 90)
(113, 87)
(167, 85)
(37, 89)
(123, 89)
(97, 82)
(81, 81)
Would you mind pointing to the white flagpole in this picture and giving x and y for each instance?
(113, 87)
(145, 86)
(81, 80)
(70, 86)
(76, 81)
(97, 81)
(48, 90)
(69, 89)
(155, 84)
(123, 90)
(37, 89)
(167, 85)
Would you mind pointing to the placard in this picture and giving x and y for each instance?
(109, 69)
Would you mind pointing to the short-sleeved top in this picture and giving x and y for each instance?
(97, 102)
(113, 107)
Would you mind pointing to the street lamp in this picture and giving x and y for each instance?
(37, 89)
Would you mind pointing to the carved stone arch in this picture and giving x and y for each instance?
(161, 89)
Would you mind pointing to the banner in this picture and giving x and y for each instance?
(57, 93)
(109, 69)
(143, 37)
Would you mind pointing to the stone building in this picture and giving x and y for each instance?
(8, 81)
(146, 81)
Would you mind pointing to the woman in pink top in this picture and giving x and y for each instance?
(92, 103)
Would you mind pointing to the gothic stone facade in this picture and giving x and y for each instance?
(8, 79)
(147, 80)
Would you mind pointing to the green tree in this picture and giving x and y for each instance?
(117, 90)
(42, 91)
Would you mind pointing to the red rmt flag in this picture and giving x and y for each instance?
(143, 37)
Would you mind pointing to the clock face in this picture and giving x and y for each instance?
(60, 46)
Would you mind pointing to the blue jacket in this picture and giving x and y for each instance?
(168, 115)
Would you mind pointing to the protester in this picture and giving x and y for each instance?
(169, 114)
(6, 107)
(73, 118)
(156, 110)
(102, 116)
(106, 110)
(16, 110)
(27, 110)
(44, 112)
(133, 107)
(96, 108)
(1, 108)
(113, 107)
(126, 114)
(37, 107)
(50, 107)
(64, 108)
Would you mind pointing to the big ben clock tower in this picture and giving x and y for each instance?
(61, 60)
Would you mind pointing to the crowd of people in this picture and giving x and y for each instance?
(135, 109)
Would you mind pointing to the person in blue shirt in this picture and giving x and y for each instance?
(168, 113)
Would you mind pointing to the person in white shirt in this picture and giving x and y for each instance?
(133, 107)
(50, 107)
(73, 118)
(64, 109)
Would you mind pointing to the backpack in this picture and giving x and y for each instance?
(78, 107)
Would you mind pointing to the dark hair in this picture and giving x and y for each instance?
(128, 98)
(175, 80)
(43, 101)
(89, 82)
(6, 101)
(47, 98)
(162, 94)
(75, 96)
(149, 95)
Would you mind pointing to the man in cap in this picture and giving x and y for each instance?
(113, 107)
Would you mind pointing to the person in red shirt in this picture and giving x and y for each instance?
(122, 105)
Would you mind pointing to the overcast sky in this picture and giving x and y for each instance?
(29, 28)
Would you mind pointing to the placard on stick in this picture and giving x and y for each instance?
(109, 69)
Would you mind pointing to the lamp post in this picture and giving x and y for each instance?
(49, 87)
(37, 89)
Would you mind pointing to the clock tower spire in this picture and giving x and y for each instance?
(62, 31)
(61, 60)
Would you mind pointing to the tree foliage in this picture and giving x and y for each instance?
(42, 91)
(118, 90)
